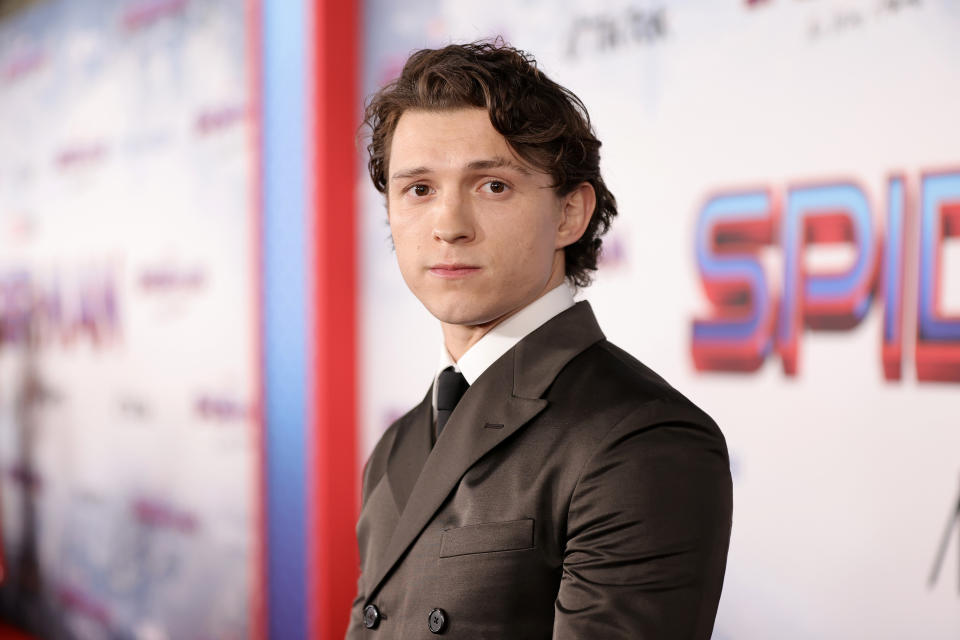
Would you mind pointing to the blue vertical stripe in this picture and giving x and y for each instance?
(286, 320)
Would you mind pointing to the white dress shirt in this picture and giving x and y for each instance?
(504, 336)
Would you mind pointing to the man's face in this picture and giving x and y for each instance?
(475, 228)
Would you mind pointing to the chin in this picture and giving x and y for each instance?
(464, 312)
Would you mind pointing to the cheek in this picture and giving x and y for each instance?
(529, 247)
(406, 244)
(536, 238)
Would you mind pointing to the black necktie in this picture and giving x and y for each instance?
(451, 386)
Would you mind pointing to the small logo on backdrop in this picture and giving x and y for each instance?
(22, 64)
(840, 21)
(144, 14)
(173, 285)
(160, 515)
(80, 155)
(614, 31)
(82, 603)
(163, 278)
(829, 20)
(133, 407)
(222, 409)
(215, 120)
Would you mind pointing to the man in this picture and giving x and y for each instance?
(549, 484)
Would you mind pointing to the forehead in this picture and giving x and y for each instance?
(445, 138)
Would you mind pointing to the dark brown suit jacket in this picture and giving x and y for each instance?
(572, 494)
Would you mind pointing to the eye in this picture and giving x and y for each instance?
(419, 190)
(495, 186)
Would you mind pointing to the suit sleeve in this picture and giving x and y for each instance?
(647, 535)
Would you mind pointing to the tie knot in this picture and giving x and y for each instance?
(451, 385)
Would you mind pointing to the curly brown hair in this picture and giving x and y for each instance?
(543, 122)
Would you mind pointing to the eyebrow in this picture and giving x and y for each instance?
(497, 162)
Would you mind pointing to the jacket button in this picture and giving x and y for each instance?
(371, 616)
(437, 621)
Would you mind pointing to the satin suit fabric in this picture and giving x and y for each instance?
(572, 494)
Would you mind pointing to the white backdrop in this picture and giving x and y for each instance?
(128, 427)
(843, 481)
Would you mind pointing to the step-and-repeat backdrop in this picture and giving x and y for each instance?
(787, 255)
(128, 358)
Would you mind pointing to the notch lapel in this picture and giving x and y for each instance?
(410, 451)
(463, 441)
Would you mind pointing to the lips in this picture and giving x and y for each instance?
(455, 270)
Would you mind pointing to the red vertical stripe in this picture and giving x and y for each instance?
(333, 492)
(257, 614)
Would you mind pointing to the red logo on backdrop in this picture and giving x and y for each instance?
(222, 409)
(81, 155)
(59, 311)
(214, 120)
(23, 64)
(144, 14)
(165, 279)
(83, 603)
(159, 515)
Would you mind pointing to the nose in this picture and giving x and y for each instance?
(453, 220)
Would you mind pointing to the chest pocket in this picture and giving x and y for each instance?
(487, 537)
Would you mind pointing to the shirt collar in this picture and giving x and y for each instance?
(505, 335)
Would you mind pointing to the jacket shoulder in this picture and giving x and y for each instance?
(604, 384)
(604, 365)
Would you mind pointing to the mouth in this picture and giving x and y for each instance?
(456, 270)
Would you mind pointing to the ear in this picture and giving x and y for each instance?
(576, 210)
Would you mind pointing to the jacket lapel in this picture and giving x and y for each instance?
(410, 451)
(508, 394)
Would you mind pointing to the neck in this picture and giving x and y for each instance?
(458, 338)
